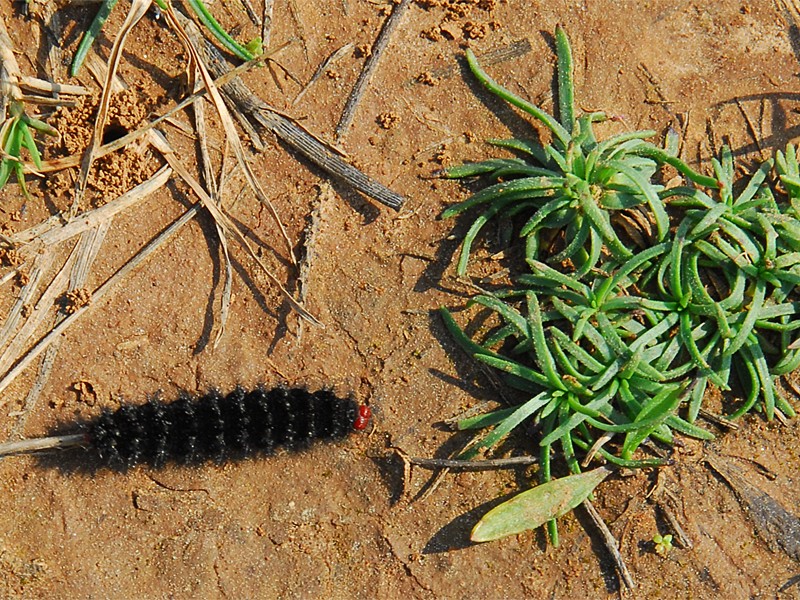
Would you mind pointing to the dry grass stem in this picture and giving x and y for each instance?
(42, 86)
(251, 12)
(230, 228)
(10, 74)
(216, 195)
(48, 443)
(97, 295)
(25, 298)
(514, 462)
(54, 230)
(43, 308)
(92, 226)
(298, 22)
(178, 23)
(42, 377)
(266, 23)
(137, 11)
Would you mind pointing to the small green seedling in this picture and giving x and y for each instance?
(663, 544)
(16, 133)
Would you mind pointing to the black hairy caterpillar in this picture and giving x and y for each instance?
(213, 427)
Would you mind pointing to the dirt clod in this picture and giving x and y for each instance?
(113, 174)
(75, 299)
(427, 78)
(387, 120)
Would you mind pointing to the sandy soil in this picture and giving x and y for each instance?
(335, 521)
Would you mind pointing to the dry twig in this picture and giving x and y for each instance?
(611, 543)
(266, 118)
(370, 64)
(181, 24)
(322, 68)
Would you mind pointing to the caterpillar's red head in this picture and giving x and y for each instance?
(362, 420)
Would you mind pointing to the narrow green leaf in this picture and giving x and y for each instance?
(517, 189)
(473, 169)
(509, 314)
(490, 84)
(90, 35)
(560, 278)
(487, 420)
(654, 412)
(521, 413)
(525, 146)
(576, 240)
(767, 385)
(30, 144)
(753, 186)
(566, 91)
(661, 156)
(475, 228)
(542, 213)
(601, 223)
(750, 320)
(231, 45)
(536, 331)
(514, 368)
(649, 192)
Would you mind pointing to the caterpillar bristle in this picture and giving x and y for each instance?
(211, 428)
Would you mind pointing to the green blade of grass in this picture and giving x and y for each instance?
(90, 35)
(490, 84)
(536, 332)
(566, 91)
(559, 278)
(654, 412)
(475, 228)
(600, 222)
(663, 157)
(485, 167)
(594, 409)
(764, 379)
(753, 186)
(576, 351)
(750, 320)
(648, 191)
(525, 146)
(487, 420)
(514, 368)
(30, 144)
(517, 189)
(224, 38)
(543, 213)
(577, 240)
(521, 413)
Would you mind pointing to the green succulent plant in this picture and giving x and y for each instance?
(575, 184)
(615, 336)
